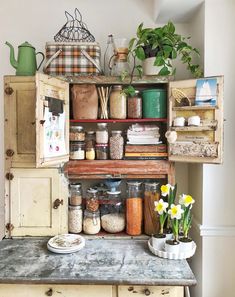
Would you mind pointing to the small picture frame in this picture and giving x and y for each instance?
(206, 92)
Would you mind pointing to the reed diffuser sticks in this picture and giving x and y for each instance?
(104, 97)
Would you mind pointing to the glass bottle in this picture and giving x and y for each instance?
(75, 219)
(108, 54)
(91, 222)
(134, 209)
(120, 65)
(102, 135)
(92, 201)
(76, 133)
(75, 195)
(151, 220)
(117, 103)
(77, 150)
(116, 144)
(90, 145)
(134, 108)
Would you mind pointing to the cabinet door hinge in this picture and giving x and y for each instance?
(9, 176)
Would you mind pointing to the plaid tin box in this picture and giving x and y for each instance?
(69, 58)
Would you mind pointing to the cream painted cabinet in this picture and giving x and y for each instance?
(154, 291)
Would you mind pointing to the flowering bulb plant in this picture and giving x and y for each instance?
(169, 191)
(187, 202)
(175, 213)
(161, 209)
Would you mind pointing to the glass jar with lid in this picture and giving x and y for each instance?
(90, 145)
(151, 220)
(92, 200)
(91, 222)
(134, 208)
(116, 145)
(101, 151)
(77, 150)
(75, 195)
(112, 213)
(76, 133)
(75, 219)
(134, 106)
(102, 135)
(117, 103)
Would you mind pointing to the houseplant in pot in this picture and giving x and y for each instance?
(158, 47)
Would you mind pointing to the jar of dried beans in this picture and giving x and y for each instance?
(92, 201)
(75, 195)
(116, 145)
(134, 106)
(102, 135)
(117, 103)
(75, 219)
(76, 133)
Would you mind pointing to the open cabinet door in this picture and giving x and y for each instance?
(200, 103)
(52, 121)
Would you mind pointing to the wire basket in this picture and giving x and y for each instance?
(181, 98)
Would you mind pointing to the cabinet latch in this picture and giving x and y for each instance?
(49, 292)
(10, 153)
(9, 228)
(9, 91)
(57, 203)
(9, 176)
(42, 122)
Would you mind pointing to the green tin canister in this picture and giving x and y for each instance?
(154, 103)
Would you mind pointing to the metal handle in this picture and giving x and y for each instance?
(49, 292)
(43, 58)
(147, 292)
(57, 203)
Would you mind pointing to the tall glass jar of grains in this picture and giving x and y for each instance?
(102, 135)
(134, 209)
(134, 106)
(91, 222)
(90, 145)
(116, 145)
(117, 103)
(151, 221)
(75, 219)
(75, 195)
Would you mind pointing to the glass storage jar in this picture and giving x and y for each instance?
(134, 106)
(77, 150)
(75, 195)
(102, 135)
(76, 133)
(101, 150)
(134, 209)
(91, 222)
(117, 103)
(90, 145)
(75, 219)
(112, 213)
(151, 220)
(92, 201)
(116, 145)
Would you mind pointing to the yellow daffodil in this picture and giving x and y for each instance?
(160, 206)
(186, 200)
(175, 212)
(165, 189)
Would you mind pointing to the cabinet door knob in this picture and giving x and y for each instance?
(9, 90)
(147, 292)
(49, 292)
(57, 203)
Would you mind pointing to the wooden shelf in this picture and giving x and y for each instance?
(195, 107)
(193, 128)
(164, 120)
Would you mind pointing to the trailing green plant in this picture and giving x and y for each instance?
(165, 45)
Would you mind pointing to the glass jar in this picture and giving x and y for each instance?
(112, 213)
(75, 219)
(101, 151)
(90, 145)
(91, 222)
(75, 195)
(151, 220)
(117, 103)
(134, 209)
(76, 133)
(92, 201)
(134, 104)
(102, 135)
(116, 145)
(77, 150)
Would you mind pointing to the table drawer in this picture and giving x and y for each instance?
(152, 291)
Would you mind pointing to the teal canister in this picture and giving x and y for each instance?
(154, 103)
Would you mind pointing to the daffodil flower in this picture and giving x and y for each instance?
(175, 212)
(165, 189)
(186, 200)
(160, 206)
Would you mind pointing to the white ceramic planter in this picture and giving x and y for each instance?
(169, 236)
(172, 248)
(186, 247)
(149, 68)
(158, 242)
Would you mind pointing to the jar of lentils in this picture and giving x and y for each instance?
(134, 108)
(75, 219)
(102, 135)
(116, 145)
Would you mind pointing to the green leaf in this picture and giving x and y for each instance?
(129, 91)
(159, 61)
(123, 75)
(173, 54)
(139, 51)
(167, 48)
(139, 69)
(171, 27)
(131, 43)
(139, 30)
(155, 45)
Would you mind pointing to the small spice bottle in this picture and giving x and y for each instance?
(75, 195)
(90, 145)
(134, 106)
(116, 145)
(76, 133)
(117, 103)
(102, 135)
(75, 219)
(77, 150)
(92, 201)
(91, 222)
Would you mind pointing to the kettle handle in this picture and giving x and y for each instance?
(43, 58)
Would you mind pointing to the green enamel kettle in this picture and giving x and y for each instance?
(26, 64)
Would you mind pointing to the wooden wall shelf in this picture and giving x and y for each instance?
(164, 120)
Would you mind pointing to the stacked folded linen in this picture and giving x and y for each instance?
(143, 134)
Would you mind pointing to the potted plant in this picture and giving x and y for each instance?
(158, 47)
(185, 241)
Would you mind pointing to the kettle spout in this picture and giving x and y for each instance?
(13, 61)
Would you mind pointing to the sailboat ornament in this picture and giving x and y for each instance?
(206, 92)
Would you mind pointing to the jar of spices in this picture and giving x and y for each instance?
(77, 150)
(112, 213)
(134, 209)
(101, 150)
(116, 145)
(102, 135)
(117, 103)
(75, 219)
(75, 195)
(151, 220)
(90, 145)
(92, 201)
(91, 222)
(134, 105)
(76, 133)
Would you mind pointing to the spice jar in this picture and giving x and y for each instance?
(91, 222)
(117, 103)
(76, 133)
(116, 145)
(75, 195)
(102, 135)
(77, 150)
(101, 150)
(134, 209)
(112, 213)
(90, 145)
(151, 221)
(92, 201)
(75, 219)
(134, 105)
